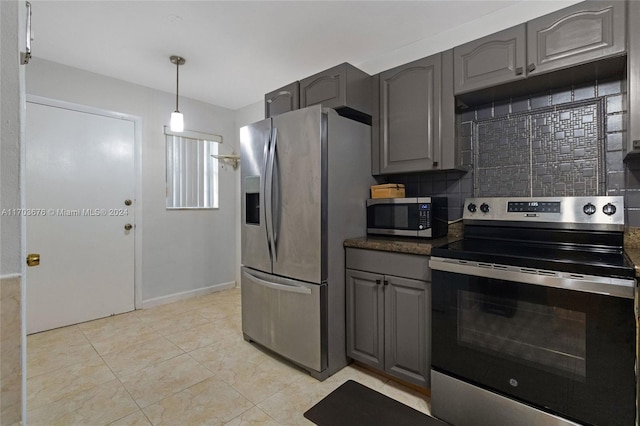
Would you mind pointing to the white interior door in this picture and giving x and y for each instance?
(79, 172)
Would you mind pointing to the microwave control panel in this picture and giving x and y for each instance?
(424, 216)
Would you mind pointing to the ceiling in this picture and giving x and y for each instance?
(238, 50)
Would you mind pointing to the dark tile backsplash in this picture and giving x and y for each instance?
(569, 141)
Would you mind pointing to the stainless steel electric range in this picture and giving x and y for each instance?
(533, 315)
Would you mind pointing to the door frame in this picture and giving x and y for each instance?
(137, 205)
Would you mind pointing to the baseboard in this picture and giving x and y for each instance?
(163, 300)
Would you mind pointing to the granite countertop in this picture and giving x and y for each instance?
(399, 245)
(633, 253)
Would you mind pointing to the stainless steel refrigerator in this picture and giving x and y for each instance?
(305, 177)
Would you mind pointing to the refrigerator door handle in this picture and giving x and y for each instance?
(265, 194)
(270, 207)
(282, 287)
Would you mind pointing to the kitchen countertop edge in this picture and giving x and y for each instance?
(420, 247)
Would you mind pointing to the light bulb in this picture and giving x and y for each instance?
(177, 121)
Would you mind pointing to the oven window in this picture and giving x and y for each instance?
(547, 336)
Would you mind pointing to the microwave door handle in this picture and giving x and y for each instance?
(264, 193)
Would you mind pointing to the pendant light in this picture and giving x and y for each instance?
(177, 120)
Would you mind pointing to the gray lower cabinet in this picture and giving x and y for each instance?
(283, 100)
(388, 316)
(585, 32)
(415, 117)
(495, 59)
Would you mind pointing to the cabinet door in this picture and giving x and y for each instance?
(365, 318)
(492, 60)
(585, 32)
(633, 77)
(407, 329)
(328, 88)
(410, 116)
(282, 100)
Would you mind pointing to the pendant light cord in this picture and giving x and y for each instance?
(177, 82)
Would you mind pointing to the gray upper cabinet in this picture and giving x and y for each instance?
(415, 117)
(410, 116)
(343, 86)
(282, 100)
(492, 60)
(578, 34)
(633, 78)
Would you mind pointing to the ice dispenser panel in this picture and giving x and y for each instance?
(252, 199)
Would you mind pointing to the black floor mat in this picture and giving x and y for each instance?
(353, 404)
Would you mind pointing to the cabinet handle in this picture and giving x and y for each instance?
(378, 282)
(531, 67)
(519, 71)
(385, 282)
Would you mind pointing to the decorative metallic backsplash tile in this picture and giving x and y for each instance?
(545, 152)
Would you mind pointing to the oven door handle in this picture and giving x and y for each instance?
(609, 286)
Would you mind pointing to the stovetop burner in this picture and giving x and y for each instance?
(581, 235)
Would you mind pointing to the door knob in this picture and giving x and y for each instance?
(33, 259)
(127, 202)
(128, 227)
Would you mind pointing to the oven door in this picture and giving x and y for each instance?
(567, 352)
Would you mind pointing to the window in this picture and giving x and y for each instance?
(192, 172)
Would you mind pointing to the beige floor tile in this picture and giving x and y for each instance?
(172, 323)
(110, 339)
(288, 406)
(137, 357)
(136, 419)
(407, 396)
(110, 322)
(360, 375)
(164, 379)
(256, 381)
(99, 405)
(59, 338)
(45, 361)
(253, 417)
(220, 310)
(173, 387)
(66, 381)
(212, 356)
(201, 336)
(211, 402)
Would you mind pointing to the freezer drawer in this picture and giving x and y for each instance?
(286, 316)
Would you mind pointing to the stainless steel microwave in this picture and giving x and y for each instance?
(425, 217)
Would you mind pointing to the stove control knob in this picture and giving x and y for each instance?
(589, 209)
(484, 208)
(472, 207)
(609, 209)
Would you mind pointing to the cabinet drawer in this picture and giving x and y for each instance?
(389, 263)
(285, 316)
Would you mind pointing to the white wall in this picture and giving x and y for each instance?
(10, 70)
(182, 250)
